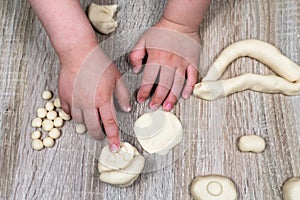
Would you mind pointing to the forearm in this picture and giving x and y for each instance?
(66, 25)
(186, 14)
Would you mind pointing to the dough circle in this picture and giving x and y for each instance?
(122, 168)
(213, 187)
(158, 132)
(291, 189)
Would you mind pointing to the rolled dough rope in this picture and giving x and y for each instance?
(259, 50)
(121, 168)
(158, 132)
(101, 17)
(211, 88)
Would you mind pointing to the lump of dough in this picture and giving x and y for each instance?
(101, 17)
(121, 168)
(291, 189)
(213, 187)
(158, 132)
(252, 143)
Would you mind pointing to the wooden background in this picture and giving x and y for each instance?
(28, 65)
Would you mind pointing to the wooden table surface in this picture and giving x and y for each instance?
(28, 66)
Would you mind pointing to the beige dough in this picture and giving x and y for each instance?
(121, 168)
(101, 17)
(158, 132)
(291, 189)
(289, 83)
(252, 143)
(213, 187)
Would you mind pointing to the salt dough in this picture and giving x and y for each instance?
(291, 189)
(158, 132)
(252, 143)
(121, 168)
(101, 17)
(213, 187)
(288, 81)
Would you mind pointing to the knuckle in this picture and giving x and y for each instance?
(109, 122)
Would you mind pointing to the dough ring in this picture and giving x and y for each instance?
(158, 132)
(121, 168)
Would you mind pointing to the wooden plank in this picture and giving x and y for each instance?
(28, 66)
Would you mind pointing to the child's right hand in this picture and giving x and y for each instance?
(86, 92)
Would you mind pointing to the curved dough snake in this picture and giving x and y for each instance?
(289, 83)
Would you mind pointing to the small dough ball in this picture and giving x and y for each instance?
(49, 106)
(158, 132)
(47, 95)
(47, 125)
(122, 168)
(252, 143)
(291, 189)
(51, 115)
(58, 122)
(64, 115)
(48, 142)
(41, 112)
(80, 128)
(213, 187)
(37, 144)
(54, 133)
(36, 135)
(101, 17)
(36, 122)
(57, 103)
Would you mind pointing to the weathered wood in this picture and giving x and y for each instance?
(28, 65)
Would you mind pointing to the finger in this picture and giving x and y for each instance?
(177, 86)
(192, 75)
(137, 55)
(151, 72)
(65, 106)
(122, 94)
(109, 121)
(77, 115)
(166, 78)
(92, 122)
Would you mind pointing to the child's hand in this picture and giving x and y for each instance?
(173, 56)
(87, 93)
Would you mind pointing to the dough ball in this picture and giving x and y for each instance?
(122, 168)
(252, 143)
(291, 189)
(158, 132)
(101, 17)
(213, 187)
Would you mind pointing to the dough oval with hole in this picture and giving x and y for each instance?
(122, 168)
(158, 132)
(213, 187)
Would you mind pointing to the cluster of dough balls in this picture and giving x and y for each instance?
(50, 119)
(121, 168)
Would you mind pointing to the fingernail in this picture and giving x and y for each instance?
(135, 70)
(114, 148)
(154, 106)
(127, 108)
(169, 106)
(141, 100)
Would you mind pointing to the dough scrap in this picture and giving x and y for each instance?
(288, 81)
(291, 189)
(158, 132)
(121, 168)
(213, 187)
(101, 17)
(252, 143)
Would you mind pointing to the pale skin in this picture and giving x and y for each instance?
(73, 38)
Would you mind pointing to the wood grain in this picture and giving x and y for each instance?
(28, 66)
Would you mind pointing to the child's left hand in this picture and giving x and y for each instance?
(173, 56)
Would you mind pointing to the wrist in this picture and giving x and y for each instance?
(165, 21)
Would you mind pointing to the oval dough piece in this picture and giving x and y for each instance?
(291, 189)
(101, 17)
(124, 169)
(213, 187)
(158, 132)
(252, 143)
